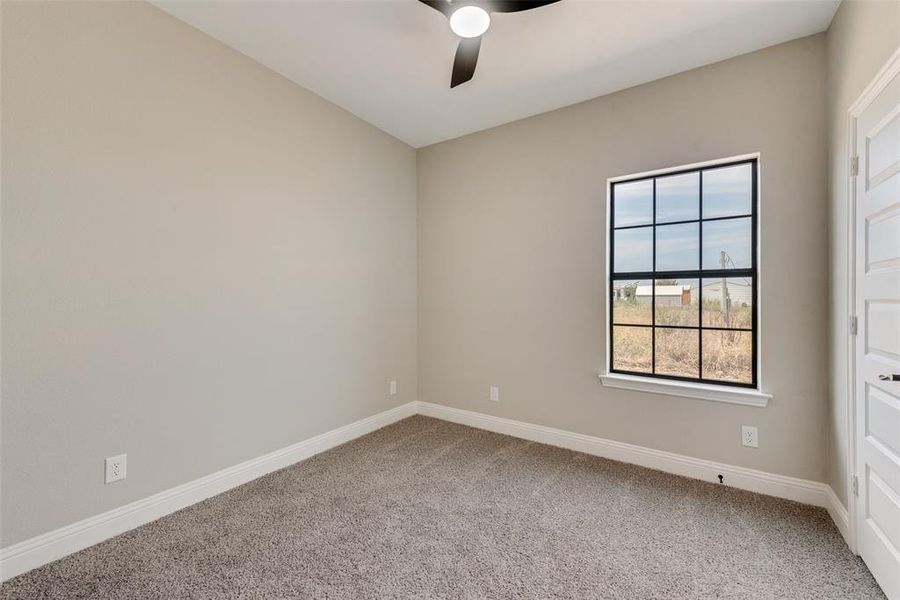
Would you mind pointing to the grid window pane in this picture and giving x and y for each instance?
(633, 203)
(678, 198)
(633, 250)
(728, 244)
(678, 247)
(728, 356)
(728, 191)
(728, 302)
(670, 234)
(678, 352)
(678, 302)
(632, 302)
(633, 349)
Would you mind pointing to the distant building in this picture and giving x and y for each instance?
(739, 291)
(666, 295)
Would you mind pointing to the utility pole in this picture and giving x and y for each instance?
(723, 293)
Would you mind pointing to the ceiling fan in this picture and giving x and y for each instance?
(470, 19)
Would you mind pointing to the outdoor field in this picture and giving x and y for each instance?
(726, 355)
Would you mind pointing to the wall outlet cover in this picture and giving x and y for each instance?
(749, 436)
(115, 468)
(393, 388)
(495, 393)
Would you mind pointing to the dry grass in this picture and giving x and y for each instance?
(727, 355)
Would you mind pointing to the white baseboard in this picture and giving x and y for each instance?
(791, 488)
(54, 545)
(840, 516)
(42, 549)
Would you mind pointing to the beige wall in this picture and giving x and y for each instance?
(202, 262)
(512, 258)
(862, 37)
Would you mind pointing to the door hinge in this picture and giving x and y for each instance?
(854, 485)
(854, 166)
(854, 325)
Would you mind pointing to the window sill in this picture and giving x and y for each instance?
(685, 389)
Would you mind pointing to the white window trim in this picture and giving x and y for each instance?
(687, 389)
(690, 389)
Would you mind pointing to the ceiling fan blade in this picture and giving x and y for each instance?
(508, 6)
(464, 63)
(442, 6)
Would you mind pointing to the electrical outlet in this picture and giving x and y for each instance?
(393, 388)
(115, 468)
(749, 436)
(495, 393)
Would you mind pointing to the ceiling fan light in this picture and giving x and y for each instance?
(470, 21)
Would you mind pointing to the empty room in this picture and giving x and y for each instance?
(463, 299)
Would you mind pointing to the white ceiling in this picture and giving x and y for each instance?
(388, 61)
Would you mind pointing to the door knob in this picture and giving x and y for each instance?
(894, 377)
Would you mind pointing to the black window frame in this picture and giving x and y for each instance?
(699, 274)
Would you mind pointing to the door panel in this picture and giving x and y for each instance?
(883, 150)
(884, 511)
(883, 242)
(877, 292)
(883, 419)
(882, 325)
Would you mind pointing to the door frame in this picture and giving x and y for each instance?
(884, 76)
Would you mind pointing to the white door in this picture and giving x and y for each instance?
(877, 186)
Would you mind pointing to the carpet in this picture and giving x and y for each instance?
(429, 509)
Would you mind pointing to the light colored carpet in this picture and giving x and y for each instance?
(429, 509)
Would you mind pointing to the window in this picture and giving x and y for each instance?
(683, 274)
